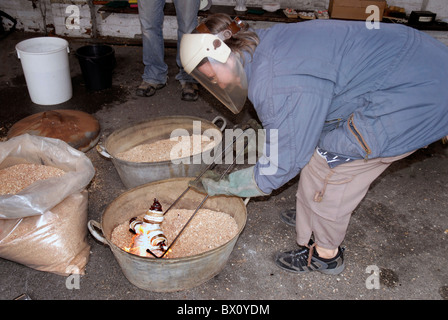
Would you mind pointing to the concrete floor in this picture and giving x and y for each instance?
(400, 228)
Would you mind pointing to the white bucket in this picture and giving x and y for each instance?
(46, 68)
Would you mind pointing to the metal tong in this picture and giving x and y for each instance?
(245, 127)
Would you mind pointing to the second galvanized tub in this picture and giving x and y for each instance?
(134, 174)
(165, 274)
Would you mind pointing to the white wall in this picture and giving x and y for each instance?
(58, 14)
(28, 14)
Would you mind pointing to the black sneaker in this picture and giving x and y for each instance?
(299, 261)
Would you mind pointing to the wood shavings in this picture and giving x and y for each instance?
(208, 230)
(165, 150)
(53, 242)
(18, 177)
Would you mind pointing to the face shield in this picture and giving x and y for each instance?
(210, 61)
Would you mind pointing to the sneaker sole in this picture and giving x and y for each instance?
(334, 271)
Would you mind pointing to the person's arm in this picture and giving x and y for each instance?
(293, 124)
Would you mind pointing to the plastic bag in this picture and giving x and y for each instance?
(55, 241)
(44, 225)
(45, 194)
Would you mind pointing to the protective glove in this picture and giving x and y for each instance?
(197, 184)
(240, 183)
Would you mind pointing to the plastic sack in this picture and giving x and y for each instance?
(44, 225)
(43, 195)
(53, 242)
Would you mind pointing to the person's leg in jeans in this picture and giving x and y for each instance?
(187, 20)
(156, 70)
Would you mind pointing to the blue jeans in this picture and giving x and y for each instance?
(151, 19)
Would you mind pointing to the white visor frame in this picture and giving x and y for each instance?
(196, 47)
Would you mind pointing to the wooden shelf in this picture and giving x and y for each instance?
(252, 14)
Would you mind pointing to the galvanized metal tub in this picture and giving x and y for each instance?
(134, 174)
(166, 274)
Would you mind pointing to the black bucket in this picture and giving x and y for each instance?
(97, 64)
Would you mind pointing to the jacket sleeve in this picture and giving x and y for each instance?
(293, 118)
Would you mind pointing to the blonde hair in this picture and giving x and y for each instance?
(243, 40)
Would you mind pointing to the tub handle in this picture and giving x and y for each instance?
(102, 151)
(219, 118)
(93, 226)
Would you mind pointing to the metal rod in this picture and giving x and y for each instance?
(177, 200)
(152, 253)
(207, 168)
(202, 202)
(186, 224)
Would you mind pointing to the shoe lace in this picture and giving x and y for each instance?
(304, 255)
(310, 254)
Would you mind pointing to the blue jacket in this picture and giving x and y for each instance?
(352, 91)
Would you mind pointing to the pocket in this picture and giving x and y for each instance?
(323, 189)
(358, 136)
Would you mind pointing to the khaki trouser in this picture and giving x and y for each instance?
(327, 197)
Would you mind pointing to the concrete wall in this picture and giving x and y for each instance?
(73, 18)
